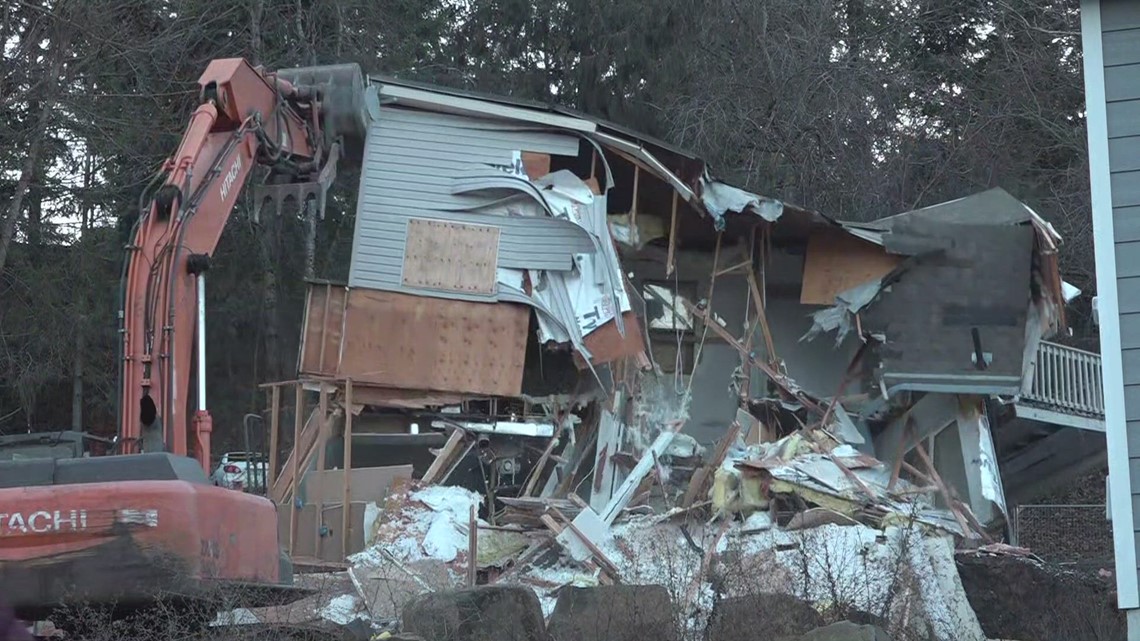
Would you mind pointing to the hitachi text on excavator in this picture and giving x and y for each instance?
(144, 521)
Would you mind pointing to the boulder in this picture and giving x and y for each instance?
(847, 631)
(613, 613)
(485, 613)
(777, 615)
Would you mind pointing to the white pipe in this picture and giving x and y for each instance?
(201, 342)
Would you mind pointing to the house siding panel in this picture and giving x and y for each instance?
(1122, 82)
(1116, 15)
(411, 160)
(1110, 38)
(1122, 47)
(1123, 118)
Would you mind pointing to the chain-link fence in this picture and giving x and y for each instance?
(1071, 534)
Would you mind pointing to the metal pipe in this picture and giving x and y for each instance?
(201, 342)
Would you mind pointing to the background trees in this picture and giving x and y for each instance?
(857, 108)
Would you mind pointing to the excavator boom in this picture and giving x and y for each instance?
(245, 117)
(126, 528)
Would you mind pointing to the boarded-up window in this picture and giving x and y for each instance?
(451, 256)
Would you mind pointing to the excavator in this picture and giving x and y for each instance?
(144, 522)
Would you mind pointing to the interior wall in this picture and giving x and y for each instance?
(817, 366)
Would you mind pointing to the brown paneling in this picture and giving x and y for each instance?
(423, 343)
(368, 483)
(535, 165)
(607, 345)
(837, 261)
(452, 257)
(324, 320)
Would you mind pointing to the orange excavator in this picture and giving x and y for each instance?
(145, 522)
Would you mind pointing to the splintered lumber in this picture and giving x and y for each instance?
(770, 371)
(446, 457)
(934, 476)
(527, 511)
(557, 529)
(698, 485)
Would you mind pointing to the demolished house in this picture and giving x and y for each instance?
(552, 323)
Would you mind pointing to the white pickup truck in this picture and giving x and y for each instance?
(245, 471)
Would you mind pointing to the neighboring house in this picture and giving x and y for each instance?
(1111, 41)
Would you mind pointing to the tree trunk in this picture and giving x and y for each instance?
(27, 172)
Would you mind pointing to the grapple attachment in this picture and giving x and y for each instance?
(343, 110)
(343, 118)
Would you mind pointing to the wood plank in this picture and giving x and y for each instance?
(837, 261)
(1122, 153)
(445, 458)
(407, 399)
(450, 256)
(282, 487)
(298, 418)
(424, 343)
(323, 325)
(346, 493)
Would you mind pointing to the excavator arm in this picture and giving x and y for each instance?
(246, 118)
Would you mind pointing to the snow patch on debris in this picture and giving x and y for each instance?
(431, 523)
(343, 609)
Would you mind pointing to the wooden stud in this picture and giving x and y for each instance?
(274, 434)
(322, 437)
(346, 492)
(472, 548)
(633, 207)
(672, 237)
(298, 423)
(438, 469)
(934, 476)
(324, 329)
(762, 317)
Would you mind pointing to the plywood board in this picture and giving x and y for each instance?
(837, 261)
(324, 321)
(606, 344)
(328, 547)
(450, 256)
(368, 483)
(424, 343)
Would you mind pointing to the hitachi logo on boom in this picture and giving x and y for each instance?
(42, 522)
(229, 178)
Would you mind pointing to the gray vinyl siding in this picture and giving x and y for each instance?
(1120, 39)
(411, 161)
